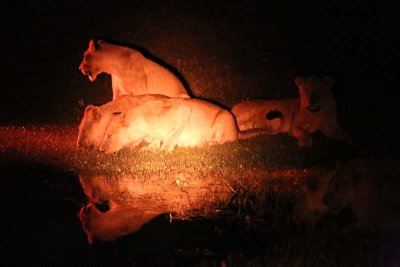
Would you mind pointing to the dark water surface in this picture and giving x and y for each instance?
(40, 227)
(225, 52)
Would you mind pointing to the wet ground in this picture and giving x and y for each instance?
(40, 226)
(170, 220)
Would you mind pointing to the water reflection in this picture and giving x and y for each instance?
(122, 204)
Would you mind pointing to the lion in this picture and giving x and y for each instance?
(118, 221)
(309, 206)
(131, 72)
(314, 110)
(169, 122)
(369, 188)
(96, 118)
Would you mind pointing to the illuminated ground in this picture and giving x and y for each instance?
(224, 52)
(41, 165)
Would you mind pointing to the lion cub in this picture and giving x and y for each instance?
(314, 110)
(131, 72)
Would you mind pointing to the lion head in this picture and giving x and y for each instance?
(350, 183)
(309, 206)
(114, 136)
(91, 129)
(312, 90)
(92, 60)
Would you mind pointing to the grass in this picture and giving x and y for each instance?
(225, 53)
(262, 175)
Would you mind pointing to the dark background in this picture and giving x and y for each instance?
(264, 44)
(225, 51)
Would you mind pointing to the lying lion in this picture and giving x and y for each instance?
(96, 119)
(169, 122)
(131, 72)
(370, 188)
(314, 110)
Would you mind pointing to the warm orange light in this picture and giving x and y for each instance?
(132, 203)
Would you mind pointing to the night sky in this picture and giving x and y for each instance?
(355, 41)
(224, 51)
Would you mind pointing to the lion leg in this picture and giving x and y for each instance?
(154, 144)
(224, 129)
(115, 88)
(135, 143)
(303, 137)
(182, 114)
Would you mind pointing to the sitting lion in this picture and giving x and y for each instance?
(369, 187)
(131, 72)
(170, 122)
(96, 119)
(314, 110)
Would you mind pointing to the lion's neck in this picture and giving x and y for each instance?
(117, 59)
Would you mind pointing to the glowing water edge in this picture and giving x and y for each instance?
(247, 203)
(120, 204)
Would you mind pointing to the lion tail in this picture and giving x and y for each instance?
(246, 134)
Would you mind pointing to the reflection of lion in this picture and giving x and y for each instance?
(314, 110)
(370, 188)
(118, 221)
(309, 206)
(96, 119)
(131, 73)
(168, 122)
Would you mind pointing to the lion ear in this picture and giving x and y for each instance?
(92, 46)
(95, 113)
(329, 80)
(88, 108)
(299, 80)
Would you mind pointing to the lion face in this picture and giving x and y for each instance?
(309, 206)
(312, 90)
(90, 63)
(113, 137)
(91, 129)
(340, 191)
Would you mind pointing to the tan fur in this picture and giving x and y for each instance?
(314, 110)
(131, 72)
(118, 221)
(370, 188)
(170, 122)
(96, 119)
(309, 206)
